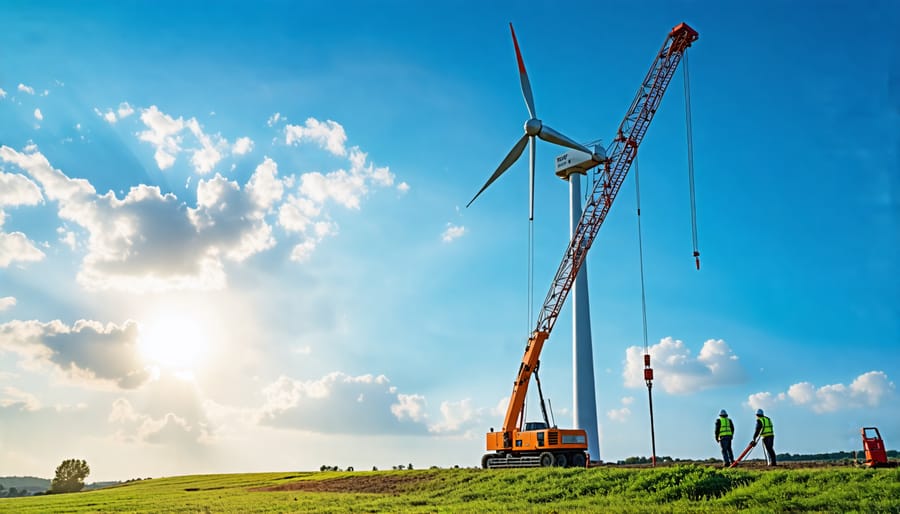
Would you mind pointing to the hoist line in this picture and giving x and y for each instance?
(690, 156)
(637, 189)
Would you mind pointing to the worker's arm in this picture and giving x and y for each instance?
(758, 429)
(718, 426)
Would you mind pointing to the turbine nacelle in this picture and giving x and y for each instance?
(533, 127)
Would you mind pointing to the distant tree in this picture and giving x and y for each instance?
(349, 468)
(374, 468)
(12, 492)
(409, 466)
(70, 475)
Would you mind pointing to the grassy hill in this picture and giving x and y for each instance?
(30, 484)
(38, 485)
(683, 488)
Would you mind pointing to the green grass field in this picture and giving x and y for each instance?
(685, 488)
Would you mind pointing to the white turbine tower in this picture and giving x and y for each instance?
(570, 166)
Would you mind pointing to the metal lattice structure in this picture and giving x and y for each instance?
(621, 154)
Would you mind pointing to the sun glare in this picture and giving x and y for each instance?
(176, 342)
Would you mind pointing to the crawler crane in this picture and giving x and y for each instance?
(540, 444)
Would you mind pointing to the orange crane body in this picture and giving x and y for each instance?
(536, 444)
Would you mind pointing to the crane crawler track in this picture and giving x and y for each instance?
(543, 459)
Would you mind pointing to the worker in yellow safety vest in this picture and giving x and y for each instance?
(724, 434)
(765, 430)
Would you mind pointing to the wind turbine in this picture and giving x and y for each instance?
(533, 128)
(583, 372)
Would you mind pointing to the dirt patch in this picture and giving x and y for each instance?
(746, 464)
(378, 484)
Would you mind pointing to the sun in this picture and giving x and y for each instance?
(177, 342)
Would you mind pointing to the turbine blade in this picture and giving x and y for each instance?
(523, 76)
(507, 162)
(548, 134)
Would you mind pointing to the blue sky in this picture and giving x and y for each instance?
(233, 235)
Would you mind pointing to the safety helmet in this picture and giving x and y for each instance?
(723, 413)
(759, 412)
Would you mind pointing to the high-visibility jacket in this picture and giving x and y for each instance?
(726, 427)
(767, 428)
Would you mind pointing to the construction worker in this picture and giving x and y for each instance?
(765, 430)
(724, 433)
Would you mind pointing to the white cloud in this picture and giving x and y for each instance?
(88, 352)
(871, 389)
(303, 210)
(16, 247)
(242, 146)
(403, 187)
(38, 115)
(2, 93)
(621, 415)
(16, 397)
(67, 237)
(109, 116)
(411, 406)
(125, 110)
(302, 251)
(342, 187)
(802, 393)
(275, 118)
(26, 89)
(329, 135)
(208, 155)
(230, 221)
(169, 428)
(764, 400)
(677, 372)
(6, 302)
(297, 213)
(148, 241)
(264, 186)
(339, 403)
(16, 189)
(456, 417)
(163, 133)
(452, 232)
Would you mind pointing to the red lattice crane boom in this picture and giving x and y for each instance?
(512, 442)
